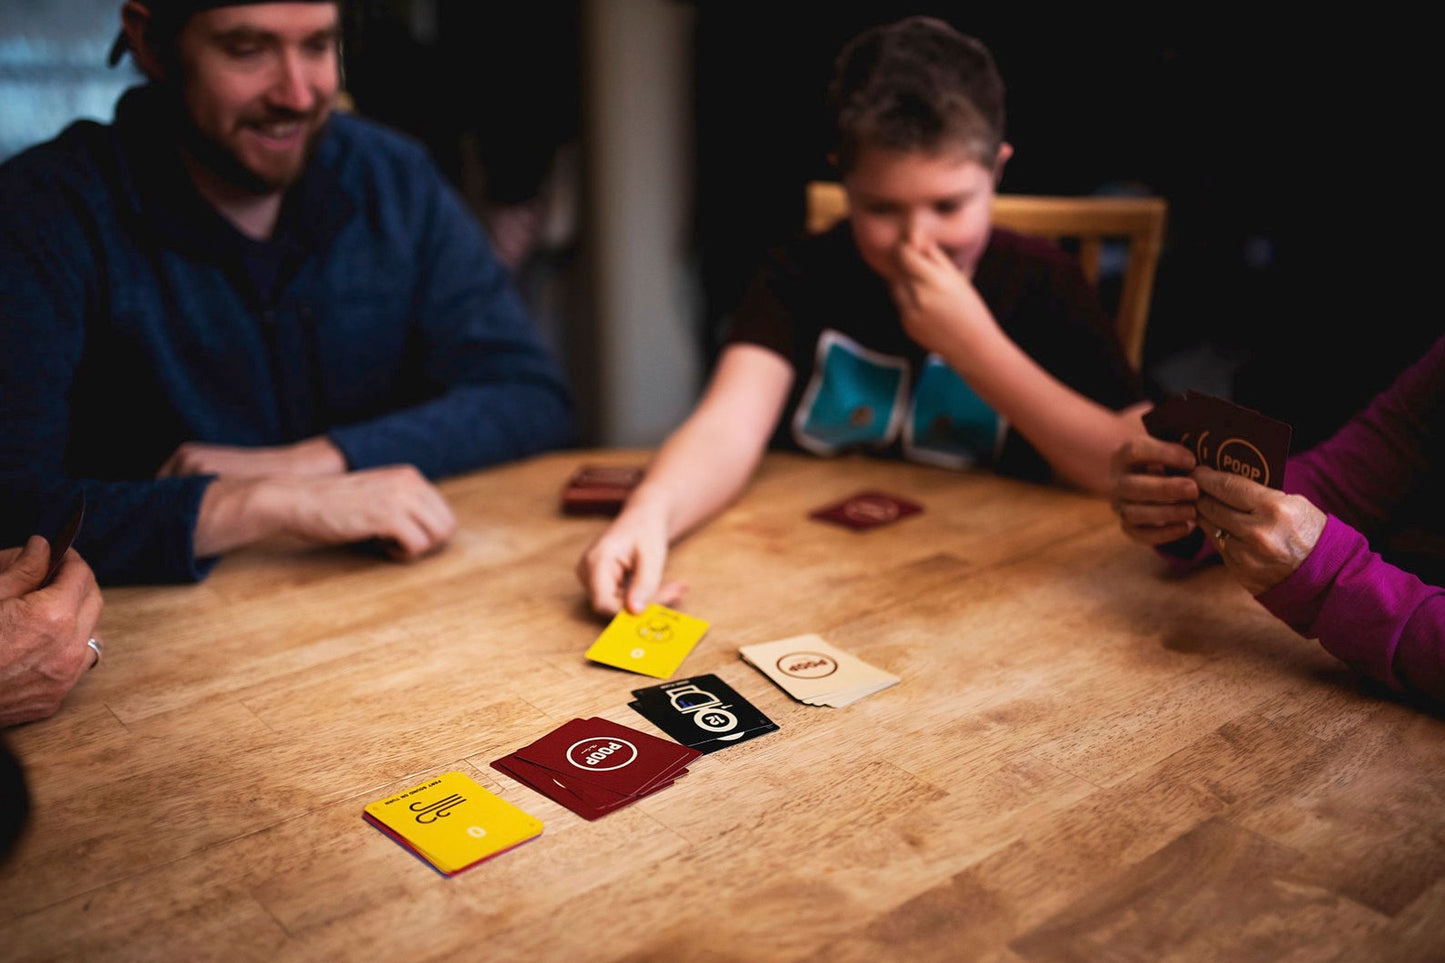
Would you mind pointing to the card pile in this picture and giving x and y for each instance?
(1224, 435)
(599, 489)
(702, 712)
(593, 766)
(811, 670)
(653, 643)
(452, 822)
(866, 510)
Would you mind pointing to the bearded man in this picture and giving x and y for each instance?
(233, 314)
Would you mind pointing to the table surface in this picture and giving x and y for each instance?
(1085, 758)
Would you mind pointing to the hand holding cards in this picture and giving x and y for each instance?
(452, 822)
(813, 671)
(1224, 435)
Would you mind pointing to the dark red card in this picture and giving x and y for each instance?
(593, 766)
(867, 510)
(1224, 435)
(599, 489)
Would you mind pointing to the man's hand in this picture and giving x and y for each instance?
(624, 565)
(315, 456)
(1154, 507)
(395, 505)
(43, 632)
(1263, 535)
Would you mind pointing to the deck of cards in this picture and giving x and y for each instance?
(599, 489)
(452, 822)
(702, 712)
(594, 766)
(866, 510)
(1224, 435)
(811, 670)
(653, 643)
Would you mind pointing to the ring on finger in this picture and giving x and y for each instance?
(1220, 536)
(94, 644)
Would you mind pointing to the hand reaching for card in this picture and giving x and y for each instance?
(625, 565)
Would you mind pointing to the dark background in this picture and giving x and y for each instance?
(1296, 154)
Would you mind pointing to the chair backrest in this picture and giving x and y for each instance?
(1091, 221)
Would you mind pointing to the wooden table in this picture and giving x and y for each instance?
(1084, 759)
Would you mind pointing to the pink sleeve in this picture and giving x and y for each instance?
(1382, 621)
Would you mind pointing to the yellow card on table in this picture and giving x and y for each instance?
(653, 643)
(452, 822)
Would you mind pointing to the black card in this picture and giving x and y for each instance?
(62, 535)
(702, 712)
(1224, 435)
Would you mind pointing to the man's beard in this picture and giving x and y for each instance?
(219, 159)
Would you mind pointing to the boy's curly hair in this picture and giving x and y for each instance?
(916, 84)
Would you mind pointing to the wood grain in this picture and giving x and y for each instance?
(1085, 759)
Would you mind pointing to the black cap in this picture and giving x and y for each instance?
(177, 12)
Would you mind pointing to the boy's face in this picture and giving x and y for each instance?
(258, 82)
(941, 199)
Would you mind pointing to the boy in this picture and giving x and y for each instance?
(889, 332)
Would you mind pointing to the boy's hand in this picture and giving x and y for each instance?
(625, 565)
(1154, 501)
(940, 308)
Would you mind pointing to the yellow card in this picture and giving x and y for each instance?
(653, 643)
(452, 822)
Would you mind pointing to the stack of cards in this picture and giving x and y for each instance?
(702, 712)
(451, 822)
(599, 489)
(653, 643)
(593, 766)
(812, 671)
(866, 510)
(61, 535)
(1224, 435)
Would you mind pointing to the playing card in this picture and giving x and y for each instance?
(653, 643)
(1224, 435)
(599, 489)
(62, 536)
(813, 671)
(452, 822)
(703, 712)
(867, 510)
(593, 766)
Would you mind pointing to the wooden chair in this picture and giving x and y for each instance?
(1089, 221)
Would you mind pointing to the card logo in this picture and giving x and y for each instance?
(807, 665)
(601, 754)
(708, 711)
(870, 509)
(1239, 456)
(431, 812)
(655, 630)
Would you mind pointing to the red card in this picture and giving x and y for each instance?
(867, 510)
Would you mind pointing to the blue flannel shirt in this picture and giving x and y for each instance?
(132, 320)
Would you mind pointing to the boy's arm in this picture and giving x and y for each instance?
(701, 468)
(943, 312)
